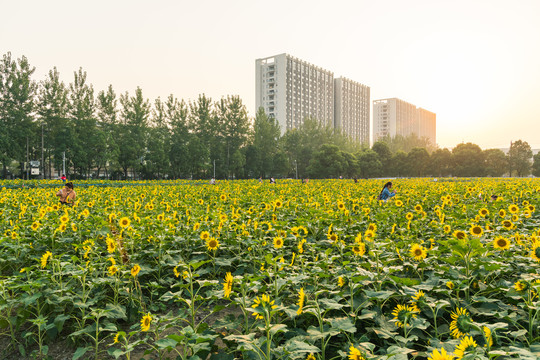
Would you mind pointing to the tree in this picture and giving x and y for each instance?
(496, 162)
(133, 131)
(52, 110)
(385, 156)
(87, 144)
(157, 150)
(328, 162)
(440, 163)
(418, 161)
(536, 165)
(235, 129)
(369, 163)
(519, 158)
(468, 160)
(107, 120)
(399, 165)
(17, 105)
(177, 114)
(407, 143)
(266, 136)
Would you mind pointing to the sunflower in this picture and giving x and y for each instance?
(476, 231)
(196, 226)
(535, 251)
(450, 284)
(488, 336)
(418, 252)
(61, 228)
(278, 203)
(278, 242)
(513, 209)
(369, 235)
(116, 338)
(161, 217)
(44, 258)
(205, 235)
(112, 270)
(443, 355)
(341, 206)
(418, 208)
(135, 270)
(223, 197)
(461, 323)
(508, 224)
(483, 212)
(358, 238)
(355, 354)
(447, 229)
(409, 216)
(111, 245)
(311, 357)
(301, 299)
(340, 281)
(332, 237)
(35, 225)
(460, 235)
(265, 303)
(212, 243)
(402, 314)
(520, 285)
(501, 243)
(466, 345)
(124, 222)
(399, 203)
(502, 213)
(64, 219)
(418, 297)
(359, 249)
(227, 285)
(145, 322)
(372, 227)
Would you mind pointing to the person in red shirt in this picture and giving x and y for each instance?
(63, 178)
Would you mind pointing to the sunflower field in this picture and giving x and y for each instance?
(249, 270)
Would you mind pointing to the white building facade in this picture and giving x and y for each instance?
(351, 109)
(290, 90)
(393, 117)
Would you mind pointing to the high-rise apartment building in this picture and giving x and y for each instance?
(393, 117)
(351, 109)
(290, 90)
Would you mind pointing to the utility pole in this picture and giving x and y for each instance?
(214, 168)
(27, 161)
(64, 163)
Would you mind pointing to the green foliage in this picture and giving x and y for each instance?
(468, 160)
(536, 165)
(519, 158)
(496, 162)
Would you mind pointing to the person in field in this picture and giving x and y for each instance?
(386, 193)
(67, 194)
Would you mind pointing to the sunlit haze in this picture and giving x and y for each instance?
(476, 64)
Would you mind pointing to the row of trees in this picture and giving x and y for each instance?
(117, 136)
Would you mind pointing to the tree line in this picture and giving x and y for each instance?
(118, 136)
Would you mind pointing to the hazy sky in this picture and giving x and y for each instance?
(476, 64)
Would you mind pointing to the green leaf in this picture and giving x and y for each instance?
(166, 343)
(115, 312)
(80, 352)
(343, 324)
(278, 328)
